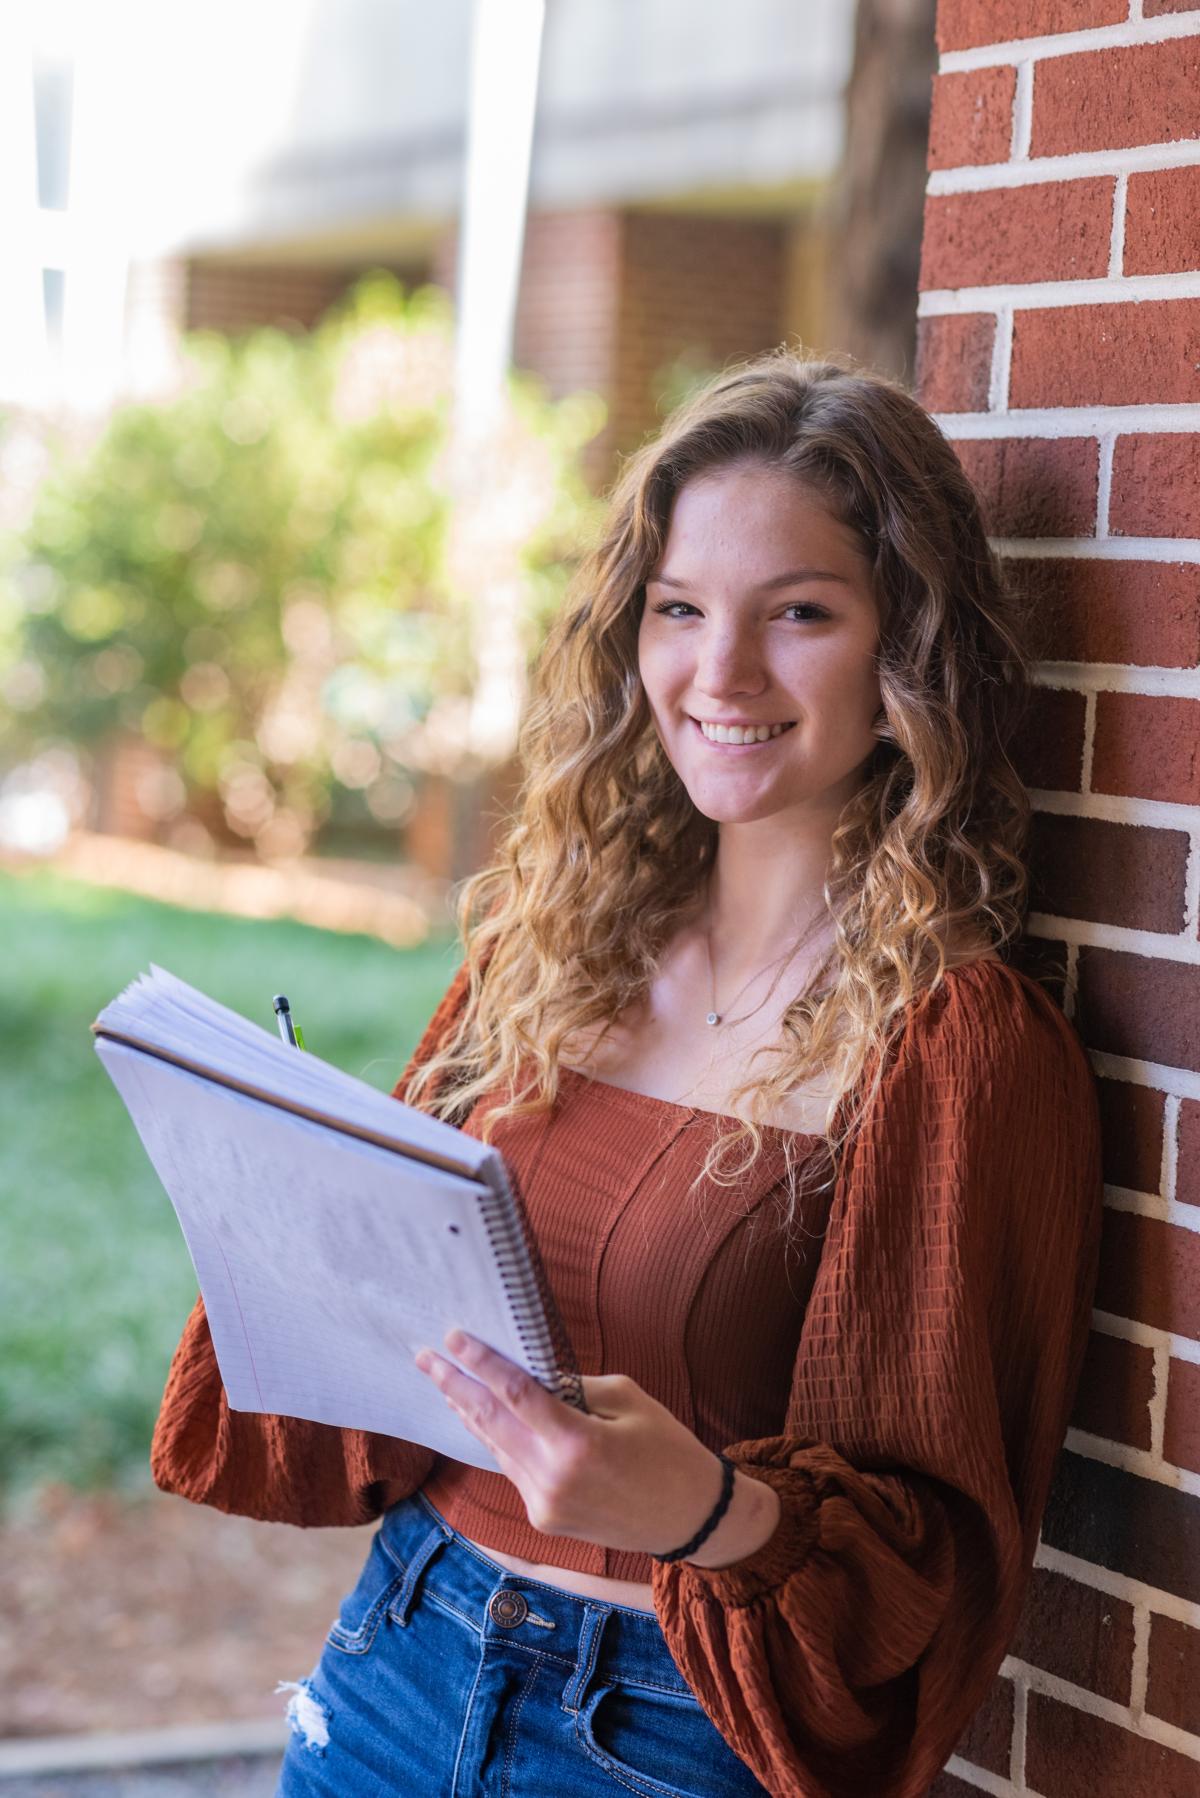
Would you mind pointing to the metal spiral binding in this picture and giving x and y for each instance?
(538, 1323)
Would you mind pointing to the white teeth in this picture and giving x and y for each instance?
(734, 733)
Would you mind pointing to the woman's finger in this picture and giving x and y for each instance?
(518, 1392)
(484, 1414)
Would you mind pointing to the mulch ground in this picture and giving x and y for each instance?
(131, 1614)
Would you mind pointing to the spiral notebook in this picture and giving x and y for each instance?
(333, 1229)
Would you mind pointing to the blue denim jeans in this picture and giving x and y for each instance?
(447, 1676)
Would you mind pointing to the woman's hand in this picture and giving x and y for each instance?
(626, 1473)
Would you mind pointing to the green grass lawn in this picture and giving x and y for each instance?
(95, 1278)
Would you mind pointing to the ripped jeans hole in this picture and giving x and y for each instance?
(308, 1717)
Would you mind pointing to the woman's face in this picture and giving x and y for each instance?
(760, 612)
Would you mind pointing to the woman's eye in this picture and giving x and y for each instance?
(798, 605)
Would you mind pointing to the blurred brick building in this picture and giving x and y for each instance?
(679, 212)
(682, 163)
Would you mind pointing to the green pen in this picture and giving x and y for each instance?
(290, 1032)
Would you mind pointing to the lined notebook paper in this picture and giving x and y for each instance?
(332, 1228)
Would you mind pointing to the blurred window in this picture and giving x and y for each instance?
(53, 84)
(54, 293)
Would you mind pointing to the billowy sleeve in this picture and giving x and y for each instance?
(932, 1386)
(282, 1469)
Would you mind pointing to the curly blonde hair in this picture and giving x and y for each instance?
(604, 855)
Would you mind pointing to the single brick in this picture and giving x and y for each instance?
(1162, 221)
(1116, 98)
(1142, 1006)
(1173, 1687)
(954, 361)
(1133, 876)
(1115, 1390)
(1147, 746)
(1117, 1520)
(1077, 1633)
(1074, 1754)
(1181, 1444)
(1053, 231)
(1150, 1273)
(1156, 485)
(1131, 1124)
(1187, 1175)
(1146, 614)
(1034, 486)
(961, 24)
(971, 117)
(1048, 752)
(1114, 355)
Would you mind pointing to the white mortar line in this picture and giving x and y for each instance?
(1118, 808)
(1128, 1329)
(1140, 1723)
(1104, 483)
(1127, 1459)
(1154, 1205)
(1052, 296)
(1155, 1074)
(1022, 122)
(1069, 421)
(1117, 1585)
(1168, 1172)
(1020, 1734)
(1089, 741)
(1074, 165)
(1115, 677)
(1158, 1401)
(1177, 951)
(1071, 43)
(1106, 549)
(1001, 361)
(1116, 248)
(979, 1777)
(1139, 1670)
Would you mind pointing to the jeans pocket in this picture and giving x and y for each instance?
(660, 1743)
(364, 1607)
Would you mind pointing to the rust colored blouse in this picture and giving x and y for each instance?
(903, 1378)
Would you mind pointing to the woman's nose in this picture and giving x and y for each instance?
(729, 660)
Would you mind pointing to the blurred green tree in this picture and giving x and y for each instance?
(252, 575)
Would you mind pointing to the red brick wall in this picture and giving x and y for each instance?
(1060, 348)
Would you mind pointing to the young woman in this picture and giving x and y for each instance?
(813, 1169)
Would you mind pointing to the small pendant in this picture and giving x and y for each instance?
(713, 1018)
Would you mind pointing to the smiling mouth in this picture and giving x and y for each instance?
(739, 735)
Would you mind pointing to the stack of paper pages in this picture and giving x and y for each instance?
(332, 1228)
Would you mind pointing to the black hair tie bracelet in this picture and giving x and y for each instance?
(714, 1517)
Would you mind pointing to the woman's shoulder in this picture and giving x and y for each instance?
(988, 1024)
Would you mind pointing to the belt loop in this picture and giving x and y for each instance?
(402, 1603)
(590, 1632)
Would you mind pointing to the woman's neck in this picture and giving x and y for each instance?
(764, 892)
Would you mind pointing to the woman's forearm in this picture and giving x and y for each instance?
(749, 1522)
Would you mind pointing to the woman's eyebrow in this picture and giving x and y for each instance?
(791, 578)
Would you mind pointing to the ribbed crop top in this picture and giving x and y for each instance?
(903, 1378)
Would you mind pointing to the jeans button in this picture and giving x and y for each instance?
(507, 1608)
